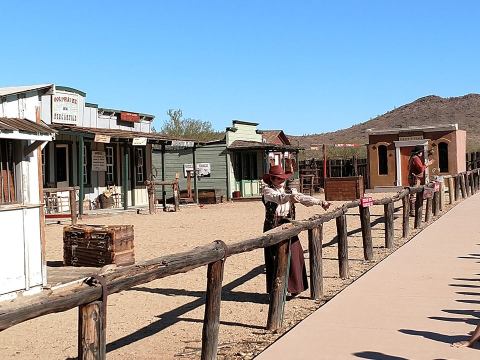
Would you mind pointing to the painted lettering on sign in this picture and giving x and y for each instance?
(366, 201)
(140, 141)
(128, 116)
(99, 161)
(428, 193)
(65, 108)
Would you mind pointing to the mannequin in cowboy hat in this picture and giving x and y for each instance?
(416, 171)
(279, 209)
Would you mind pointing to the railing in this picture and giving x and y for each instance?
(54, 204)
(90, 296)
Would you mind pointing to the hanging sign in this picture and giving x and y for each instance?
(130, 117)
(366, 201)
(428, 193)
(65, 108)
(141, 141)
(99, 138)
(203, 169)
(183, 143)
(99, 161)
(436, 186)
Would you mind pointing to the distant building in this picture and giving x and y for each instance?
(389, 152)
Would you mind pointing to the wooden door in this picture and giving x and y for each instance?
(62, 166)
(404, 158)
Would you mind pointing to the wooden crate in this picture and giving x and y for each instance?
(344, 188)
(91, 245)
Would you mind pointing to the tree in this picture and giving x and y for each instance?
(188, 128)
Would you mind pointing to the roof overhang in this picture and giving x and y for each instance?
(23, 129)
(442, 127)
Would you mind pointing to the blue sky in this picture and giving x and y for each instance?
(301, 66)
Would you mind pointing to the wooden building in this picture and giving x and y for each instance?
(231, 166)
(389, 152)
(22, 260)
(100, 150)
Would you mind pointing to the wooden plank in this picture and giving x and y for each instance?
(315, 239)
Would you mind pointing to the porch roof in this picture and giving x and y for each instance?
(115, 133)
(255, 145)
(23, 129)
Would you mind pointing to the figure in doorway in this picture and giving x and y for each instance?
(416, 171)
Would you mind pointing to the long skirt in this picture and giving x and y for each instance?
(297, 276)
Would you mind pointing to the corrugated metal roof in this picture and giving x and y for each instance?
(24, 126)
(255, 145)
(115, 133)
(20, 89)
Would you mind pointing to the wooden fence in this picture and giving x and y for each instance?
(91, 295)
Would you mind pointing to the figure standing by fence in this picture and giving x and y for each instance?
(280, 209)
(416, 171)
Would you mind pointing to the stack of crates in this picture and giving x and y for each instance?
(97, 245)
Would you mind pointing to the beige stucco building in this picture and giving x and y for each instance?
(389, 152)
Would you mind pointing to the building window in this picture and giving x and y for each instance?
(110, 174)
(382, 160)
(246, 166)
(139, 165)
(443, 157)
(7, 173)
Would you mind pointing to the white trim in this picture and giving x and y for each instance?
(398, 158)
(413, 128)
(403, 143)
(16, 135)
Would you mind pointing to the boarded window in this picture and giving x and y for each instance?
(443, 157)
(382, 160)
(7, 172)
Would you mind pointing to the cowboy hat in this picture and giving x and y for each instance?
(276, 171)
(417, 150)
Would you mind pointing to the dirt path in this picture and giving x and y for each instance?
(163, 319)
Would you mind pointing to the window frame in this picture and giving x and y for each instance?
(8, 164)
(112, 165)
(140, 165)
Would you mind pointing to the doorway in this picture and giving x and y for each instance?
(62, 165)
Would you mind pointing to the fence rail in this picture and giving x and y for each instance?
(91, 295)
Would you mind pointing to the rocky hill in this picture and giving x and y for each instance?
(428, 110)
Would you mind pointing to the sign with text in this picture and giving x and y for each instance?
(203, 169)
(409, 138)
(130, 117)
(65, 108)
(99, 161)
(366, 201)
(141, 141)
(428, 193)
(102, 138)
(183, 143)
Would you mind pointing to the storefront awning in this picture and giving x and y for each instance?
(118, 134)
(255, 145)
(23, 129)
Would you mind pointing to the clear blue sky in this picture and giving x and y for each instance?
(301, 66)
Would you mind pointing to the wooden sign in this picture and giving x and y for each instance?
(130, 117)
(141, 141)
(428, 193)
(183, 143)
(436, 186)
(102, 138)
(99, 161)
(366, 201)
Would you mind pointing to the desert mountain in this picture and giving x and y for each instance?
(428, 110)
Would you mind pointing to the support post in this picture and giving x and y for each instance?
(91, 331)
(279, 287)
(73, 206)
(472, 183)
(406, 216)
(125, 177)
(467, 183)
(176, 194)
(366, 232)
(195, 187)
(463, 187)
(151, 197)
(164, 194)
(418, 209)
(342, 246)
(81, 191)
(436, 203)
(389, 231)
(441, 196)
(451, 190)
(315, 239)
(211, 321)
(457, 187)
(428, 210)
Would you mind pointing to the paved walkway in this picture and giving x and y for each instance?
(410, 306)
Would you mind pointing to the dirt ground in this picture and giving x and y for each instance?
(163, 319)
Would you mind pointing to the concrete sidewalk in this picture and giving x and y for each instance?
(412, 305)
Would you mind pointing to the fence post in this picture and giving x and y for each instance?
(151, 196)
(279, 284)
(366, 232)
(73, 206)
(451, 190)
(342, 246)
(91, 331)
(406, 216)
(389, 231)
(428, 209)
(472, 183)
(213, 301)
(467, 183)
(418, 209)
(441, 196)
(463, 186)
(315, 239)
